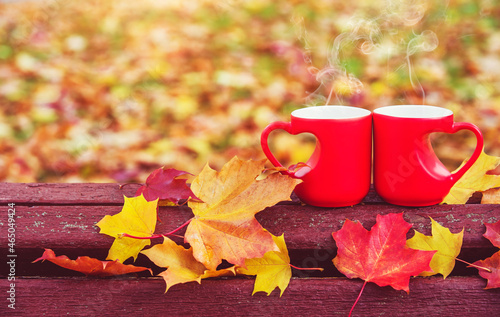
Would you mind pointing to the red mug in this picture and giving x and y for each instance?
(338, 172)
(406, 171)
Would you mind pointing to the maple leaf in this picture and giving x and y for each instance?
(491, 196)
(447, 245)
(492, 274)
(90, 266)
(181, 264)
(475, 179)
(224, 226)
(490, 267)
(272, 270)
(137, 218)
(163, 184)
(379, 255)
(493, 233)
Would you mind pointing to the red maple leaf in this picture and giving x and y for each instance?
(493, 233)
(163, 184)
(379, 255)
(490, 268)
(90, 266)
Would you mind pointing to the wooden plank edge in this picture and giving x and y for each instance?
(91, 193)
(108, 193)
(455, 296)
(305, 227)
(65, 193)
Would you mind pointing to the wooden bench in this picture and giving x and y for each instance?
(62, 217)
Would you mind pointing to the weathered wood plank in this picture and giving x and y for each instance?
(63, 194)
(85, 193)
(100, 193)
(305, 227)
(63, 217)
(311, 227)
(455, 296)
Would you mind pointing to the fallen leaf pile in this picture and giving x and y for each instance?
(384, 256)
(180, 83)
(225, 239)
(223, 226)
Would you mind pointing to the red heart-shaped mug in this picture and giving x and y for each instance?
(338, 173)
(406, 171)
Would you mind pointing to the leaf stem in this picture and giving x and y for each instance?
(474, 265)
(154, 236)
(357, 299)
(306, 269)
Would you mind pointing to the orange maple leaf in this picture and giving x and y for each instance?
(90, 266)
(181, 264)
(224, 226)
(491, 196)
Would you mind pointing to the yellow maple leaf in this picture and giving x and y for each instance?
(224, 226)
(446, 244)
(137, 218)
(181, 264)
(475, 179)
(272, 270)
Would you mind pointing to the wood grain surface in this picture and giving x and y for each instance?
(455, 296)
(62, 217)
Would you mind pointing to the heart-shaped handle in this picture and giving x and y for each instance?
(457, 126)
(287, 126)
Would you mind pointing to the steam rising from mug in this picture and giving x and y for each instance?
(427, 41)
(381, 36)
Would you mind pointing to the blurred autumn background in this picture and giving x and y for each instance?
(101, 91)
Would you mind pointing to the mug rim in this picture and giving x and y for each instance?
(413, 111)
(332, 112)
